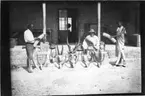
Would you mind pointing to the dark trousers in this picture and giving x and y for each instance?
(29, 51)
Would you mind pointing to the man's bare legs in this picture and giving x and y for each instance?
(118, 58)
(121, 58)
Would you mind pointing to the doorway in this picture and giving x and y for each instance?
(67, 24)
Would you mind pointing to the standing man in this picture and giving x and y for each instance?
(120, 44)
(29, 41)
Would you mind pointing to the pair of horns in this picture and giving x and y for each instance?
(60, 53)
(69, 47)
(76, 45)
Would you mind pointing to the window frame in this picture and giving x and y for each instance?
(59, 19)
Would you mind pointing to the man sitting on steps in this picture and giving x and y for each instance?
(91, 40)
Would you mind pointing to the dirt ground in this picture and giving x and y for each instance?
(79, 80)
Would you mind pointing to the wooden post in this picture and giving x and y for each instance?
(99, 21)
(44, 18)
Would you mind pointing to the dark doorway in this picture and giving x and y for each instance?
(67, 25)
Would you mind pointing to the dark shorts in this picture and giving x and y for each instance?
(29, 50)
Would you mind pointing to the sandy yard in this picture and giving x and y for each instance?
(78, 80)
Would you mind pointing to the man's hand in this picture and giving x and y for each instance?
(37, 38)
(111, 36)
(95, 48)
(43, 34)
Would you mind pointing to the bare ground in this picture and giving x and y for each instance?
(79, 80)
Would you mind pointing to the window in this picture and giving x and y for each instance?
(62, 24)
(64, 20)
(70, 22)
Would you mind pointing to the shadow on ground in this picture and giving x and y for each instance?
(112, 63)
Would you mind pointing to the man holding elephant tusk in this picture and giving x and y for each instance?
(30, 41)
(91, 40)
(120, 44)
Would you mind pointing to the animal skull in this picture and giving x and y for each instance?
(71, 55)
(99, 55)
(59, 58)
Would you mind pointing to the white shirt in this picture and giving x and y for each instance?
(28, 36)
(93, 39)
(121, 30)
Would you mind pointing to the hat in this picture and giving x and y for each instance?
(92, 31)
(29, 26)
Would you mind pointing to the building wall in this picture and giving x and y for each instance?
(23, 13)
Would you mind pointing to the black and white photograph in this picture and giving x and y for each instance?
(74, 47)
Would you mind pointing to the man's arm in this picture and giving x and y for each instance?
(122, 32)
(88, 41)
(38, 39)
(116, 35)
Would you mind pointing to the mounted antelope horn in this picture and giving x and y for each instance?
(57, 50)
(69, 47)
(62, 50)
(79, 41)
(76, 45)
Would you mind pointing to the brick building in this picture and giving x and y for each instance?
(80, 15)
